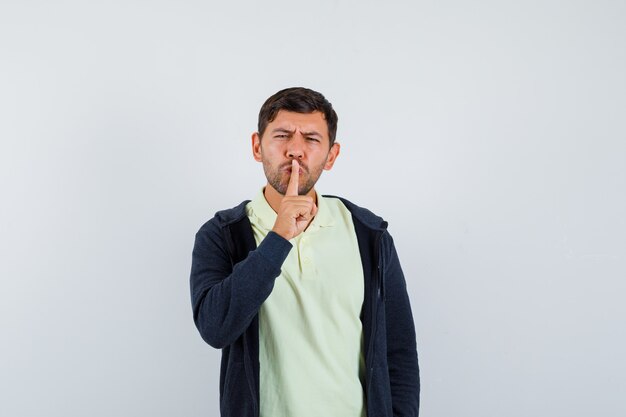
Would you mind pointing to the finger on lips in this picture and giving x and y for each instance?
(292, 187)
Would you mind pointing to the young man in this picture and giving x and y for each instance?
(304, 293)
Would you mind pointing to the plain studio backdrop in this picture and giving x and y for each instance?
(490, 134)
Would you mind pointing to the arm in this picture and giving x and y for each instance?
(401, 345)
(226, 298)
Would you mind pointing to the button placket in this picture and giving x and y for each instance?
(305, 258)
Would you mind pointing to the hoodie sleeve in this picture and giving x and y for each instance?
(225, 297)
(401, 343)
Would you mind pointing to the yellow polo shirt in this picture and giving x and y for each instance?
(310, 334)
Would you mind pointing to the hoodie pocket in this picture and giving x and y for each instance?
(380, 392)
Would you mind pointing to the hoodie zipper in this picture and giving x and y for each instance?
(247, 361)
(376, 295)
(248, 369)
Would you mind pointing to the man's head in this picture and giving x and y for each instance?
(300, 124)
(298, 100)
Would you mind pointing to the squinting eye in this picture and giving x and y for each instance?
(313, 139)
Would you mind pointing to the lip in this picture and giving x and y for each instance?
(288, 169)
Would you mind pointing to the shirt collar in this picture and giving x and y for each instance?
(265, 216)
(262, 212)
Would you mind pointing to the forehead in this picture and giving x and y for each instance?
(306, 122)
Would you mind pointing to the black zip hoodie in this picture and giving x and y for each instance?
(231, 278)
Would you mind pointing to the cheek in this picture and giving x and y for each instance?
(272, 149)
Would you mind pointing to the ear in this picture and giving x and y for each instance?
(256, 147)
(332, 156)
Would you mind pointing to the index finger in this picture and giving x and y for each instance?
(292, 188)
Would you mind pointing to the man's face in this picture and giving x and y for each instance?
(299, 136)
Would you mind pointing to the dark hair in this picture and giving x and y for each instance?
(299, 100)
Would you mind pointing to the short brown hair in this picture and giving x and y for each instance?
(299, 100)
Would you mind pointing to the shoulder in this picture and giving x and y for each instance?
(210, 237)
(222, 219)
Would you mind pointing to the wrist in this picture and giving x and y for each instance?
(282, 233)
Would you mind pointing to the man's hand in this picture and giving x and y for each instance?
(295, 211)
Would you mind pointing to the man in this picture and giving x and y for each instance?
(304, 293)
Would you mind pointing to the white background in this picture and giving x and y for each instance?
(490, 134)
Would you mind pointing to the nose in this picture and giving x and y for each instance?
(295, 149)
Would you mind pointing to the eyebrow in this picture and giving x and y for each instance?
(291, 132)
(311, 133)
(283, 130)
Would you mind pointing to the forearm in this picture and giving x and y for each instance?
(226, 298)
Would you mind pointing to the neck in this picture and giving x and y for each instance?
(274, 198)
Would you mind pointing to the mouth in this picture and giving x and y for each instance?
(287, 169)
